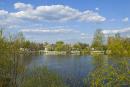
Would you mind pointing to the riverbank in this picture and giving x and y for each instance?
(65, 52)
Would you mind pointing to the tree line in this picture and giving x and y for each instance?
(18, 42)
(115, 45)
(111, 45)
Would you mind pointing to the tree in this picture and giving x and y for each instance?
(80, 46)
(60, 46)
(77, 47)
(19, 41)
(67, 48)
(20, 37)
(1, 34)
(117, 35)
(27, 44)
(118, 45)
(98, 40)
(3, 42)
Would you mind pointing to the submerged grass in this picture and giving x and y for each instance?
(114, 74)
(42, 77)
(13, 73)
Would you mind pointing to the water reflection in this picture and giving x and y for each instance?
(71, 68)
(22, 70)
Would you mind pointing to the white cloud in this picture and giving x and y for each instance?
(22, 6)
(114, 31)
(83, 34)
(55, 13)
(3, 12)
(49, 31)
(86, 36)
(26, 15)
(82, 37)
(20, 18)
(3, 15)
(126, 19)
(112, 20)
(92, 16)
(97, 9)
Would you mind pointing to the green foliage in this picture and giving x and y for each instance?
(98, 40)
(42, 77)
(77, 47)
(60, 46)
(119, 46)
(82, 47)
(104, 74)
(10, 69)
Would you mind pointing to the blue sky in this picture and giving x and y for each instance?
(67, 20)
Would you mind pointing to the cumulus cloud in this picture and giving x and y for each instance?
(54, 13)
(3, 12)
(25, 16)
(22, 6)
(114, 31)
(91, 16)
(3, 16)
(126, 19)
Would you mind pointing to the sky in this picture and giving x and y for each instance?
(67, 20)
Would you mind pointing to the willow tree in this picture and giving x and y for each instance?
(98, 40)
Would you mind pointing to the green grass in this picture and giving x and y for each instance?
(42, 77)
